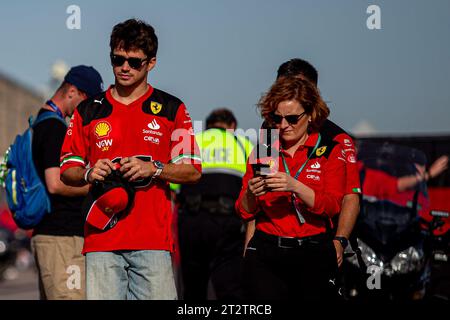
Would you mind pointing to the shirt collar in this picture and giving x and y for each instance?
(309, 143)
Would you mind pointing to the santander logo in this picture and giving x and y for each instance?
(315, 166)
(154, 125)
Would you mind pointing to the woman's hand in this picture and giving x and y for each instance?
(256, 186)
(281, 182)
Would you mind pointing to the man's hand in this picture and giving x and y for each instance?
(339, 252)
(100, 170)
(439, 166)
(135, 169)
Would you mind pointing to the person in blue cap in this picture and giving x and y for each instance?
(57, 240)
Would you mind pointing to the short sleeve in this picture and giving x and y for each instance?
(352, 183)
(183, 147)
(74, 149)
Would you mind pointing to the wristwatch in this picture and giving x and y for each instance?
(343, 241)
(159, 168)
(86, 174)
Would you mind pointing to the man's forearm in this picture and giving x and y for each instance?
(348, 216)
(74, 177)
(69, 191)
(180, 173)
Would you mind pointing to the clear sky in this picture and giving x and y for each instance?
(224, 53)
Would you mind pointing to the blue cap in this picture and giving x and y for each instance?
(86, 79)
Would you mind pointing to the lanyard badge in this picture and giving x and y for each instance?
(293, 196)
(297, 209)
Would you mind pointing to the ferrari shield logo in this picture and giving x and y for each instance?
(321, 151)
(156, 107)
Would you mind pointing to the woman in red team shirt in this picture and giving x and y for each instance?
(292, 255)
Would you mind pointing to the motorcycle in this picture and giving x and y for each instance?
(393, 243)
(438, 287)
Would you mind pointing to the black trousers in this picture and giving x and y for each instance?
(305, 273)
(211, 247)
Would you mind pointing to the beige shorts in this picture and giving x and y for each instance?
(61, 267)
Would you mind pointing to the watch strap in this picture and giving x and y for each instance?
(342, 240)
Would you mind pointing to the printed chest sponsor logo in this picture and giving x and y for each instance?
(151, 139)
(104, 145)
(315, 167)
(351, 158)
(69, 131)
(149, 134)
(102, 129)
(348, 143)
(153, 127)
(313, 177)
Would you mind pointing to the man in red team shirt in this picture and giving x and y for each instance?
(148, 134)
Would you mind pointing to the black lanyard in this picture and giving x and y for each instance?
(293, 196)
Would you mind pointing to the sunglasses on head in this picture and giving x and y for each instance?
(291, 119)
(135, 63)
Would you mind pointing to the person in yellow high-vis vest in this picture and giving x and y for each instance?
(211, 235)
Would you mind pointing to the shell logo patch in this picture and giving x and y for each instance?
(102, 129)
(155, 107)
(321, 151)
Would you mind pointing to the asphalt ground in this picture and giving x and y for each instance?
(22, 286)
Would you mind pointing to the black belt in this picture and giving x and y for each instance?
(290, 242)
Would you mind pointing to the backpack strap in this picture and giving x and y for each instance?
(45, 116)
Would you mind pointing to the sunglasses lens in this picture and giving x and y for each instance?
(117, 60)
(293, 119)
(135, 63)
(276, 118)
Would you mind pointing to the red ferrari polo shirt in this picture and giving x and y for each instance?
(156, 126)
(324, 172)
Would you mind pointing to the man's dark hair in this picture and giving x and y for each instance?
(220, 116)
(134, 35)
(296, 67)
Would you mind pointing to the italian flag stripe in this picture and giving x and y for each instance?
(72, 159)
(186, 156)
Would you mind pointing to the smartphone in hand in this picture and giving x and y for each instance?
(260, 169)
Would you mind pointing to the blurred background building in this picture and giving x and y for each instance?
(17, 103)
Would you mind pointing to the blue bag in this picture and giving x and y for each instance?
(26, 195)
